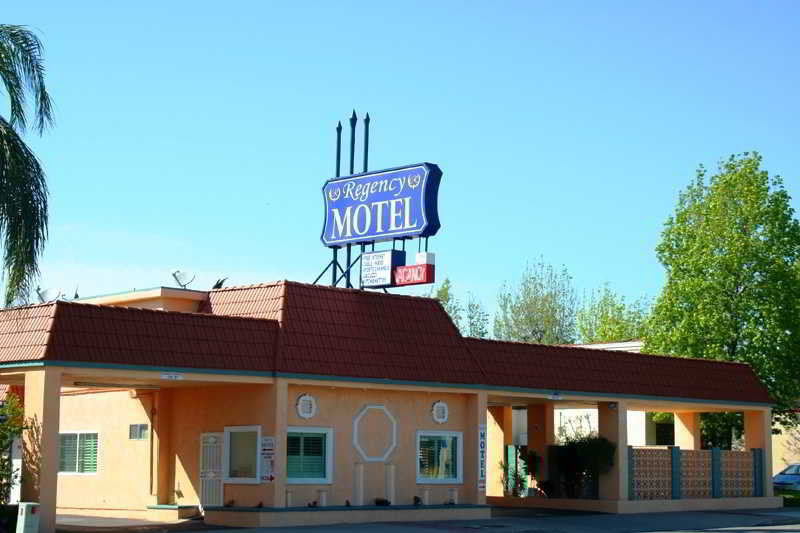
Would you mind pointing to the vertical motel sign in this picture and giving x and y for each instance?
(396, 203)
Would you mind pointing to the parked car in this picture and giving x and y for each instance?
(788, 478)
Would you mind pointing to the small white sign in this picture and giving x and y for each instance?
(376, 269)
(267, 459)
(171, 376)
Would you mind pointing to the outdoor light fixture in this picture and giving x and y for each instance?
(555, 396)
(612, 406)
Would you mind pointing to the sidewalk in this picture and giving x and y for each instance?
(542, 522)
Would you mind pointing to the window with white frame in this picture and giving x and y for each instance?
(137, 432)
(439, 457)
(77, 453)
(309, 455)
(241, 453)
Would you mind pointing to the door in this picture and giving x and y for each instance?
(211, 469)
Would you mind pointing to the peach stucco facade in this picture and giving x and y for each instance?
(372, 424)
(130, 477)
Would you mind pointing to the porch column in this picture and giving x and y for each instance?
(280, 403)
(687, 430)
(41, 443)
(475, 459)
(163, 469)
(612, 422)
(541, 434)
(499, 433)
(758, 434)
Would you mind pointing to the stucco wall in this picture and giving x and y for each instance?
(198, 410)
(122, 480)
(785, 449)
(337, 408)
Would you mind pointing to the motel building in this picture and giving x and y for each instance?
(289, 404)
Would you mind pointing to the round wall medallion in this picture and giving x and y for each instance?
(440, 412)
(306, 406)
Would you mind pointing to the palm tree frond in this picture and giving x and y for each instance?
(22, 67)
(23, 212)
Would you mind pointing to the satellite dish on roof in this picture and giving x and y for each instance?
(48, 295)
(183, 278)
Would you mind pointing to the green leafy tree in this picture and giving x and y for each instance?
(471, 319)
(606, 317)
(23, 191)
(476, 322)
(540, 309)
(732, 292)
(11, 426)
(446, 296)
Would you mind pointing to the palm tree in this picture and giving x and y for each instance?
(23, 191)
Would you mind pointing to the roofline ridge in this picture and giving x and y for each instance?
(121, 308)
(260, 285)
(596, 350)
(357, 291)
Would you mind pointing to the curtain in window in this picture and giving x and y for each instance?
(305, 455)
(243, 454)
(438, 457)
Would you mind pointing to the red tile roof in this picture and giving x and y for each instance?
(68, 331)
(360, 334)
(572, 368)
(294, 328)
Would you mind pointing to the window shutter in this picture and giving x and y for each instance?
(68, 452)
(87, 452)
(293, 455)
(305, 455)
(314, 456)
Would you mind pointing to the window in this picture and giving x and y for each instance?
(240, 454)
(137, 432)
(439, 457)
(77, 453)
(309, 455)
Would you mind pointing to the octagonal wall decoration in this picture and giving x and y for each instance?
(365, 442)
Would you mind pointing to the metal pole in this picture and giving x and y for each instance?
(353, 120)
(366, 141)
(335, 263)
(338, 147)
(347, 274)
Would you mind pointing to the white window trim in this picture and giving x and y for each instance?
(459, 479)
(226, 456)
(80, 432)
(328, 479)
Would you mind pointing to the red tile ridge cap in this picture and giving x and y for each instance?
(287, 282)
(27, 306)
(250, 286)
(611, 353)
(143, 310)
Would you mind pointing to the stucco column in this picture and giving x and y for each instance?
(41, 443)
(280, 405)
(612, 422)
(474, 488)
(541, 434)
(499, 431)
(163, 465)
(758, 434)
(687, 430)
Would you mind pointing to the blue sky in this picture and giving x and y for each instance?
(197, 135)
